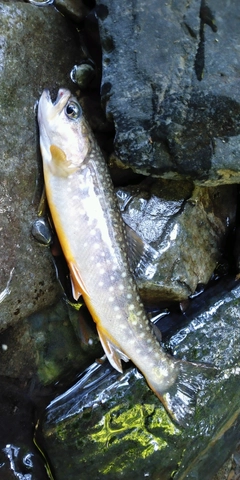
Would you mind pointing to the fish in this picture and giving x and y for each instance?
(92, 234)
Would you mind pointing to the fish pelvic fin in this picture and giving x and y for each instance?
(180, 398)
(60, 165)
(78, 286)
(113, 353)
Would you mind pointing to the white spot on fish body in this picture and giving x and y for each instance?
(110, 289)
(100, 284)
(129, 295)
(123, 275)
(102, 271)
(110, 299)
(131, 307)
(142, 335)
(116, 308)
(121, 287)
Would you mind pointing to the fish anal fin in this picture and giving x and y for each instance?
(114, 354)
(78, 286)
(60, 165)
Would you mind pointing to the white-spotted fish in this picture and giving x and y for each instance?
(87, 220)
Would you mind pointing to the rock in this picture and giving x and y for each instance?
(44, 347)
(74, 9)
(111, 426)
(19, 457)
(185, 227)
(170, 83)
(31, 39)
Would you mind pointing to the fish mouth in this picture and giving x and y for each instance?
(63, 94)
(47, 106)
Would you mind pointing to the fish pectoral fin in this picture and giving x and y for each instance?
(60, 165)
(78, 286)
(114, 354)
(140, 253)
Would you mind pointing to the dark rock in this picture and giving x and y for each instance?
(38, 50)
(74, 9)
(19, 457)
(185, 227)
(44, 347)
(170, 83)
(111, 426)
(83, 74)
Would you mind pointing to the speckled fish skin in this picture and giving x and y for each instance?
(91, 232)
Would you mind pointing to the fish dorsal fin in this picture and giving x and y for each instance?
(140, 253)
(78, 286)
(60, 165)
(113, 353)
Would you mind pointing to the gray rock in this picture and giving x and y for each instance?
(186, 229)
(170, 84)
(112, 426)
(37, 51)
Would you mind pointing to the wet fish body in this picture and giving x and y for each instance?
(91, 232)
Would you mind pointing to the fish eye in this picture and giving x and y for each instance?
(73, 110)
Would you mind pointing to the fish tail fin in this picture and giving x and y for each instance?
(180, 398)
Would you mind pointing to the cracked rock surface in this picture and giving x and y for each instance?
(170, 84)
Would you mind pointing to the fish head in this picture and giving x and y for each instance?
(63, 128)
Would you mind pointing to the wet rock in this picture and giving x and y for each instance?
(170, 83)
(19, 457)
(74, 9)
(112, 426)
(83, 74)
(186, 229)
(38, 50)
(45, 347)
